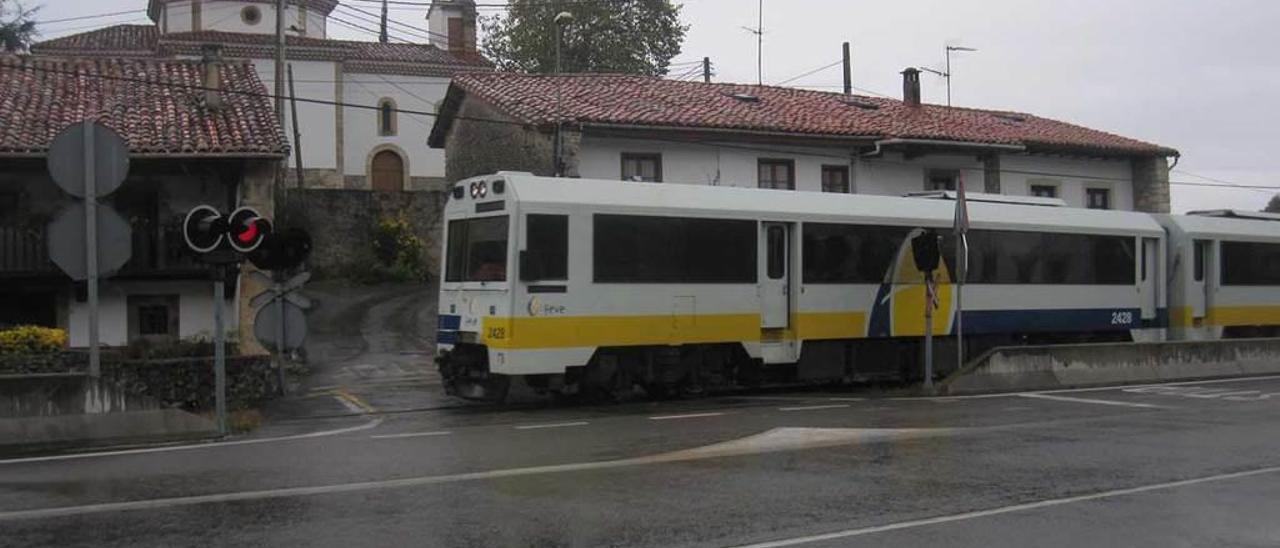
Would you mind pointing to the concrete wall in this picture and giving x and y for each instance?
(317, 122)
(340, 222)
(1064, 366)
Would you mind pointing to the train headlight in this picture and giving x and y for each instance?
(479, 189)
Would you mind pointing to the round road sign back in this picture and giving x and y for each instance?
(68, 155)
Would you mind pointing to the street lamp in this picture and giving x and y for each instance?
(948, 75)
(557, 165)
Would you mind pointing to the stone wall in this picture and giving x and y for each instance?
(1151, 185)
(341, 222)
(476, 147)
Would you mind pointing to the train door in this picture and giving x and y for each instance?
(775, 299)
(1197, 294)
(1150, 272)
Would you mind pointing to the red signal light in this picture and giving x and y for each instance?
(247, 229)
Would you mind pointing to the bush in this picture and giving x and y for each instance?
(32, 339)
(190, 347)
(397, 254)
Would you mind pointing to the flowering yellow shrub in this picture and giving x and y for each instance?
(32, 339)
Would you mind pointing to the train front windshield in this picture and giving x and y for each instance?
(477, 250)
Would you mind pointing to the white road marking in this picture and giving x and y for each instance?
(776, 440)
(814, 407)
(846, 399)
(410, 435)
(686, 416)
(551, 425)
(1007, 509)
(1093, 401)
(212, 445)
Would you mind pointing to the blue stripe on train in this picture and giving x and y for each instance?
(1031, 321)
(446, 337)
(450, 322)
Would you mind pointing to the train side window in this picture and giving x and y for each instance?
(777, 267)
(547, 254)
(1199, 259)
(1250, 263)
(650, 249)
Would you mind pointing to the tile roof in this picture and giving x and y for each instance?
(627, 100)
(144, 41)
(144, 100)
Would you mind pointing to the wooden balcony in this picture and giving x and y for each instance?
(158, 252)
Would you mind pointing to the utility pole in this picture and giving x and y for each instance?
(706, 70)
(382, 31)
(278, 180)
(297, 134)
(848, 71)
(759, 32)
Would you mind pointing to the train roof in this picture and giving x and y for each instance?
(1214, 226)
(691, 199)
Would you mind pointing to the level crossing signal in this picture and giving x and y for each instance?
(244, 233)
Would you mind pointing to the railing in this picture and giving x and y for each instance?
(157, 251)
(24, 251)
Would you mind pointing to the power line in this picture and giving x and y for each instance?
(425, 34)
(517, 123)
(82, 17)
(812, 72)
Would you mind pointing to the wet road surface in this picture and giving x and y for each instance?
(1185, 464)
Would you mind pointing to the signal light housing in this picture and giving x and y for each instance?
(246, 229)
(204, 229)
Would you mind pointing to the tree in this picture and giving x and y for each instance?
(17, 28)
(621, 36)
(1274, 205)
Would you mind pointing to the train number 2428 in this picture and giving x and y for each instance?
(1122, 318)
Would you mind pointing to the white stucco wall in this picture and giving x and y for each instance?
(195, 310)
(317, 122)
(361, 125)
(890, 174)
(224, 15)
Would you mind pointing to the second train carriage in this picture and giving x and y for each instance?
(1224, 274)
(573, 283)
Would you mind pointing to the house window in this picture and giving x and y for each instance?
(777, 174)
(941, 179)
(251, 15)
(153, 317)
(835, 179)
(386, 117)
(1097, 198)
(1044, 190)
(642, 167)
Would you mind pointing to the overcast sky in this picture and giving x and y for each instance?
(1200, 76)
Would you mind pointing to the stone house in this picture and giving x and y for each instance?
(652, 129)
(187, 147)
(354, 134)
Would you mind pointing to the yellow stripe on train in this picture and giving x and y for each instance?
(664, 329)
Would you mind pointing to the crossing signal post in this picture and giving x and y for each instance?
(926, 251)
(222, 241)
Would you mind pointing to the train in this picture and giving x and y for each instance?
(580, 286)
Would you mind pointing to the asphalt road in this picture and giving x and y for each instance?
(1192, 464)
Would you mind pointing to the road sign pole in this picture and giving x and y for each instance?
(91, 247)
(219, 349)
(279, 289)
(928, 331)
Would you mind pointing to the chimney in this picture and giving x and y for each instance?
(211, 75)
(911, 87)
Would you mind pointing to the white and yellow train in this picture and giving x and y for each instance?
(574, 284)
